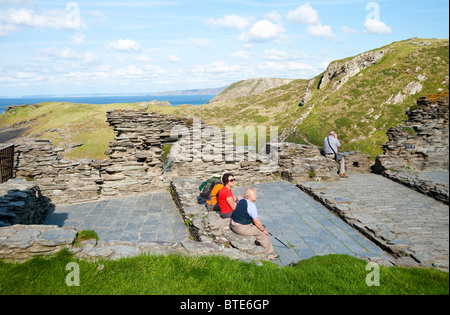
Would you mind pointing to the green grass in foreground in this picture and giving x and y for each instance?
(183, 275)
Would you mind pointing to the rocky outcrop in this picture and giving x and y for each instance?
(249, 87)
(339, 72)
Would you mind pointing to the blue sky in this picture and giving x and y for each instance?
(80, 47)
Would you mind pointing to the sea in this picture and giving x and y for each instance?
(175, 100)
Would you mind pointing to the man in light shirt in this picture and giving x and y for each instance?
(331, 146)
(245, 221)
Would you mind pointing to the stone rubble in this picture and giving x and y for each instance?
(19, 243)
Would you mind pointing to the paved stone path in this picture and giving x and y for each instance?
(135, 219)
(402, 219)
(306, 226)
(391, 214)
(300, 222)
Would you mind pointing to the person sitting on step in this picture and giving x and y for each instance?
(245, 222)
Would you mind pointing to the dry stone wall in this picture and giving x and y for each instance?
(136, 155)
(60, 180)
(137, 163)
(421, 142)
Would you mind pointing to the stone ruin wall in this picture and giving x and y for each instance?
(420, 145)
(136, 162)
(422, 142)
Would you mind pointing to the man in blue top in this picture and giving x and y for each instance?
(331, 146)
(245, 222)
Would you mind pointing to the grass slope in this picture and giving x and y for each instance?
(68, 124)
(183, 275)
(357, 111)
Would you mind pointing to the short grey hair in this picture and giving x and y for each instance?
(249, 192)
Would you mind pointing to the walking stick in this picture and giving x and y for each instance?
(277, 239)
(280, 241)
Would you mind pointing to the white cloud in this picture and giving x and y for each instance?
(348, 30)
(78, 39)
(200, 42)
(124, 45)
(173, 58)
(278, 55)
(374, 26)
(304, 15)
(144, 58)
(65, 57)
(274, 16)
(217, 67)
(16, 19)
(262, 31)
(99, 16)
(241, 54)
(231, 21)
(320, 30)
(129, 71)
(284, 66)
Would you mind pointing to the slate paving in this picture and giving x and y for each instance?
(400, 218)
(306, 226)
(134, 219)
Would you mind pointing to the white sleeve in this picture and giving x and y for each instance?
(251, 209)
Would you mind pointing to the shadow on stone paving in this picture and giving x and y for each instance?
(21, 202)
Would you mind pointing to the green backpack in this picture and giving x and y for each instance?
(207, 186)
